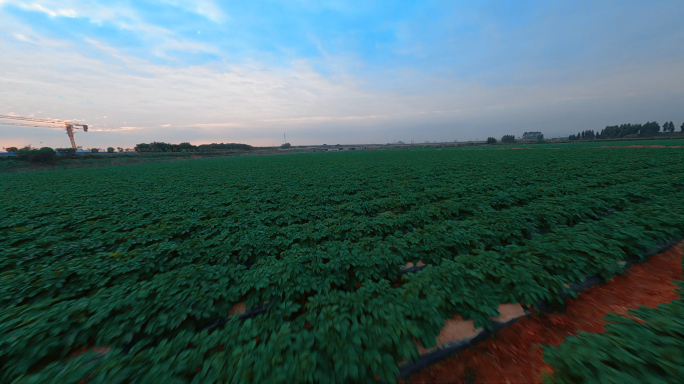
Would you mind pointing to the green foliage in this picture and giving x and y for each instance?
(286, 145)
(666, 142)
(187, 147)
(110, 150)
(491, 140)
(533, 136)
(651, 351)
(623, 130)
(67, 152)
(668, 127)
(94, 150)
(508, 139)
(324, 238)
(585, 135)
(43, 155)
(650, 129)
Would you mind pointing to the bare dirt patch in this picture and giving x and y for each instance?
(514, 354)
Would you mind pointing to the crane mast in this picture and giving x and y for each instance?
(31, 122)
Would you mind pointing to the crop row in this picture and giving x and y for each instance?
(144, 269)
(385, 319)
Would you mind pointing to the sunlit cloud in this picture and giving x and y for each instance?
(119, 129)
(52, 11)
(248, 72)
(215, 125)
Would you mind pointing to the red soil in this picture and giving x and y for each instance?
(514, 355)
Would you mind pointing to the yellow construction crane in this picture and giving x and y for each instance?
(31, 122)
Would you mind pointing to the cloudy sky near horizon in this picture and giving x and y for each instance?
(335, 71)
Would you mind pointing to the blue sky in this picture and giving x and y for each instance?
(336, 71)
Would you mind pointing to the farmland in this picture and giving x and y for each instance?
(149, 261)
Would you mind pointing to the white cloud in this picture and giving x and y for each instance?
(206, 8)
(127, 18)
(120, 129)
(53, 10)
(254, 102)
(23, 38)
(215, 125)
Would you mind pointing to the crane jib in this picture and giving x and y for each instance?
(67, 125)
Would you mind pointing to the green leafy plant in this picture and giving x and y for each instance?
(647, 350)
(322, 239)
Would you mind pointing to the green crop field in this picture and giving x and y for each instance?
(148, 260)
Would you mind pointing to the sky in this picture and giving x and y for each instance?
(332, 72)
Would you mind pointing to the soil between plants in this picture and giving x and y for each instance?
(514, 354)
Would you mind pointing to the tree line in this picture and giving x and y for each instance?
(511, 139)
(49, 155)
(651, 128)
(187, 147)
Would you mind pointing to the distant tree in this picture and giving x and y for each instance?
(649, 129)
(491, 140)
(119, 149)
(15, 149)
(68, 152)
(143, 147)
(94, 150)
(186, 147)
(110, 150)
(507, 139)
(286, 145)
(43, 155)
(588, 135)
(160, 147)
(533, 136)
(668, 127)
(681, 128)
(615, 131)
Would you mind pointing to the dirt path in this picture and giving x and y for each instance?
(514, 355)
